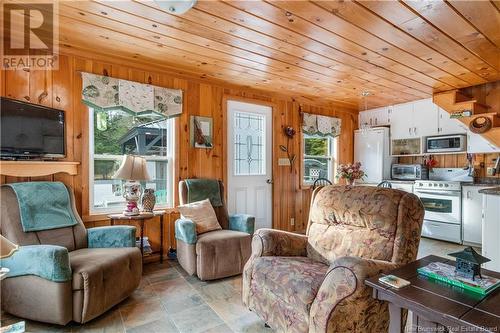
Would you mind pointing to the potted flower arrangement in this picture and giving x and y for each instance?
(350, 172)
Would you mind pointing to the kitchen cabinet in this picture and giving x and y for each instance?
(447, 125)
(402, 121)
(477, 144)
(425, 118)
(414, 119)
(491, 231)
(420, 119)
(376, 117)
(472, 210)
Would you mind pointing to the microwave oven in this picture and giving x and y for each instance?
(446, 143)
(409, 172)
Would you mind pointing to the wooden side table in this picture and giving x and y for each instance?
(437, 306)
(141, 218)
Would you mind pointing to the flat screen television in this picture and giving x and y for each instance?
(31, 131)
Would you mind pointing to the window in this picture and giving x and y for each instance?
(249, 142)
(320, 157)
(117, 132)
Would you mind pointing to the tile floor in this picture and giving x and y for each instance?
(168, 301)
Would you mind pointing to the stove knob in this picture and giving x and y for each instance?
(420, 184)
(446, 185)
(440, 185)
(431, 185)
(435, 185)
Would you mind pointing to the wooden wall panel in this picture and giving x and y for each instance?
(62, 89)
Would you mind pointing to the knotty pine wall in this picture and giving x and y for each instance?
(62, 89)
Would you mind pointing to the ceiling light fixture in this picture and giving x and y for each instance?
(177, 7)
(365, 126)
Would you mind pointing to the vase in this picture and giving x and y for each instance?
(350, 182)
(148, 200)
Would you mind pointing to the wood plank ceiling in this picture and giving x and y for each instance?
(329, 50)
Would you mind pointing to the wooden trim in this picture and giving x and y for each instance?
(37, 168)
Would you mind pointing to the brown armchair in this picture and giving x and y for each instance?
(214, 254)
(68, 273)
(315, 282)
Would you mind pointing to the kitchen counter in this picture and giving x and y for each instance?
(483, 182)
(491, 191)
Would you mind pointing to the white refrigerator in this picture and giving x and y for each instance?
(371, 148)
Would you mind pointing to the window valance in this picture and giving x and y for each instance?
(106, 93)
(313, 124)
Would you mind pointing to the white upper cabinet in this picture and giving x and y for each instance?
(375, 117)
(425, 118)
(420, 119)
(477, 144)
(447, 125)
(402, 121)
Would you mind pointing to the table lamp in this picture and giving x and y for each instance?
(7, 248)
(132, 170)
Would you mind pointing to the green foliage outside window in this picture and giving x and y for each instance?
(316, 146)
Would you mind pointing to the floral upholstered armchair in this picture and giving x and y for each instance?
(315, 282)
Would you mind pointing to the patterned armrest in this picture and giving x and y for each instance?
(111, 236)
(242, 222)
(271, 242)
(343, 292)
(49, 262)
(185, 230)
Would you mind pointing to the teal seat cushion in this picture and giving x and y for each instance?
(111, 236)
(44, 205)
(49, 262)
(201, 189)
(185, 230)
(242, 222)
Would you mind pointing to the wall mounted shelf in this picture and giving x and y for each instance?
(37, 168)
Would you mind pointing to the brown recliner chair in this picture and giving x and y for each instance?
(65, 274)
(214, 254)
(315, 282)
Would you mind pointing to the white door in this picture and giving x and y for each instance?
(369, 150)
(402, 121)
(448, 126)
(477, 144)
(472, 210)
(249, 161)
(425, 118)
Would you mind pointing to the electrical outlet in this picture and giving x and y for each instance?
(489, 171)
(292, 221)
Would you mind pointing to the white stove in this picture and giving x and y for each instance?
(438, 185)
(442, 200)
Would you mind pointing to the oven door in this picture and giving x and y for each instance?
(442, 206)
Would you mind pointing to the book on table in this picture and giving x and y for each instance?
(446, 273)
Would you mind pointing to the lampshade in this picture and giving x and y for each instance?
(132, 168)
(7, 248)
(177, 7)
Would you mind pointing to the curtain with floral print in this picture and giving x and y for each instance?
(107, 93)
(313, 124)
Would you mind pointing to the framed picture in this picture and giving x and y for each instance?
(201, 132)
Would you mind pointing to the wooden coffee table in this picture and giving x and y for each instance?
(437, 305)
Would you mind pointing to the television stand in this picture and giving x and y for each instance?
(34, 168)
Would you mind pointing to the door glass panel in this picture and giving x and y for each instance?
(437, 205)
(249, 144)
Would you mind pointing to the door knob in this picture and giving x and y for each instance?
(269, 181)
